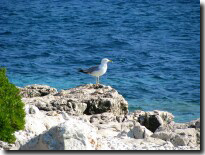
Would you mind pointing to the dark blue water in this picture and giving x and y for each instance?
(155, 46)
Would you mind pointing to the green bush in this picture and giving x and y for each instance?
(12, 114)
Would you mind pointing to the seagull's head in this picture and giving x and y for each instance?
(105, 60)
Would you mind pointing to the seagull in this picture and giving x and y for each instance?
(97, 71)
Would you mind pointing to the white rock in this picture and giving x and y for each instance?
(141, 132)
(70, 135)
(36, 124)
(31, 109)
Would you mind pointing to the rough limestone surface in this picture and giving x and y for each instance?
(194, 124)
(141, 132)
(87, 99)
(180, 137)
(154, 120)
(91, 117)
(37, 122)
(98, 99)
(37, 90)
(71, 135)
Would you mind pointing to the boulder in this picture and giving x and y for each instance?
(194, 123)
(180, 137)
(70, 135)
(31, 109)
(140, 131)
(172, 126)
(187, 137)
(36, 90)
(87, 99)
(99, 99)
(164, 135)
(152, 120)
(37, 122)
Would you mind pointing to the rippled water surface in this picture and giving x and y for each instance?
(155, 46)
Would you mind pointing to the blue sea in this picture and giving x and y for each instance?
(154, 45)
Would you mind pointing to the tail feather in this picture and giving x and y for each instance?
(81, 70)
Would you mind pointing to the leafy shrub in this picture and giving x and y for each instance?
(12, 114)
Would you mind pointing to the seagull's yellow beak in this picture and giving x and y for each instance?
(110, 60)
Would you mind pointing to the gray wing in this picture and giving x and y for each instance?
(90, 70)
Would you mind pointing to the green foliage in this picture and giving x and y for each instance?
(12, 114)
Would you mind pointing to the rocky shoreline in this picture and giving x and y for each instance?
(91, 117)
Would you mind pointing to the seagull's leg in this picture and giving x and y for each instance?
(98, 80)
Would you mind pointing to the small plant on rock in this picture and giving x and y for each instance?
(12, 114)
